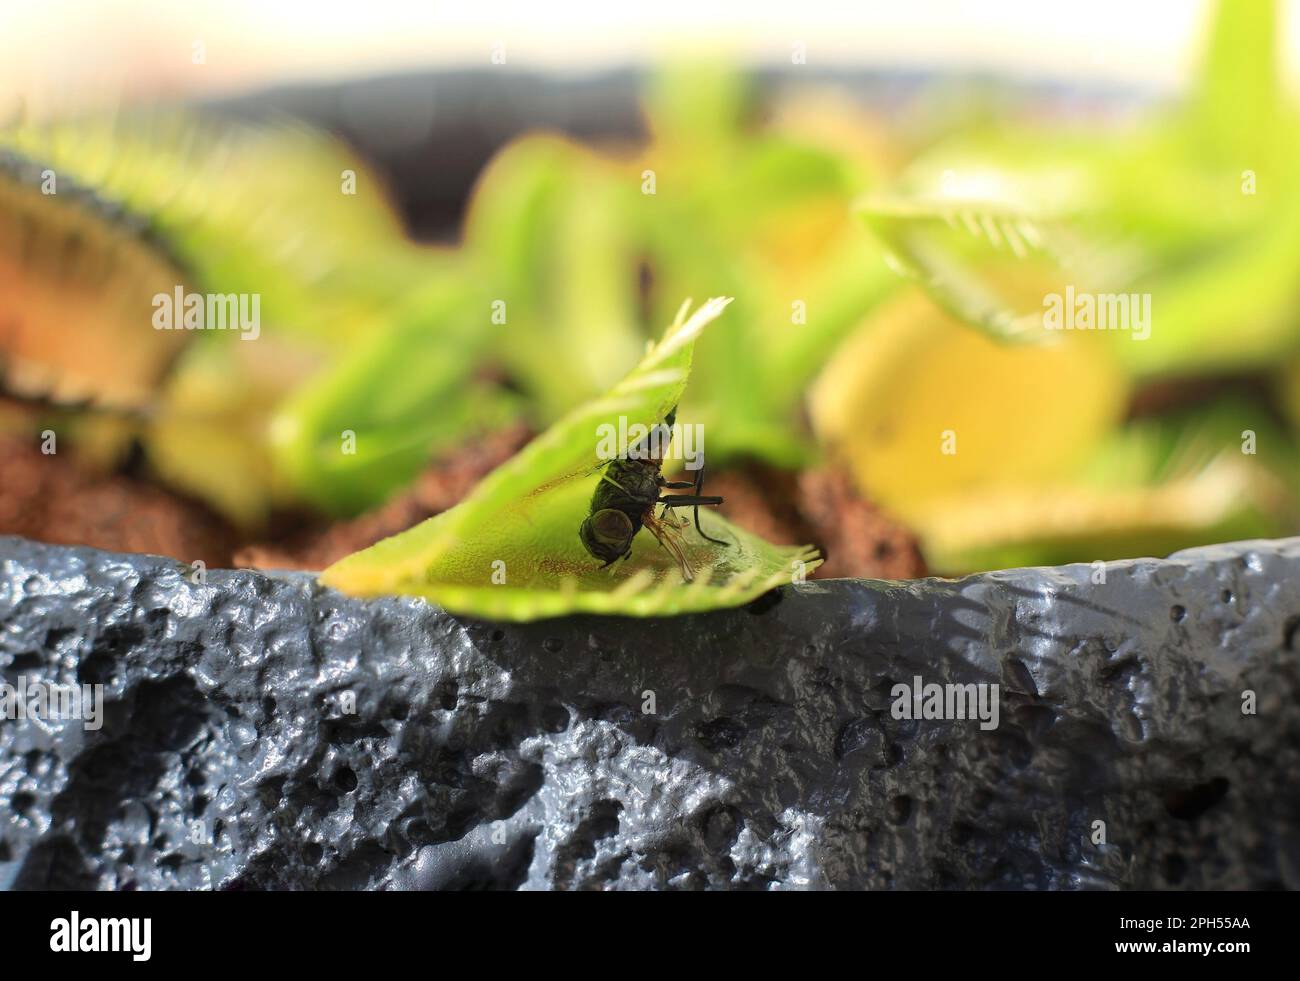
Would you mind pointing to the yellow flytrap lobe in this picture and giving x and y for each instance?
(926, 411)
(510, 550)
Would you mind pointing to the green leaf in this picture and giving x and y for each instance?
(1235, 111)
(406, 393)
(1233, 309)
(521, 523)
(699, 104)
(548, 228)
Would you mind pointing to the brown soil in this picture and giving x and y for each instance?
(53, 499)
(820, 507)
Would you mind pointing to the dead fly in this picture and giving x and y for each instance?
(625, 501)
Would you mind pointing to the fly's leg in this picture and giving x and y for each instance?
(670, 519)
(699, 486)
(693, 500)
(672, 485)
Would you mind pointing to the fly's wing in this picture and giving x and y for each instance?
(551, 485)
(671, 540)
(652, 446)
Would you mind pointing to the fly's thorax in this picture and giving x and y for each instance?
(629, 485)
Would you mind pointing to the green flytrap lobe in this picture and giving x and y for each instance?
(931, 238)
(511, 551)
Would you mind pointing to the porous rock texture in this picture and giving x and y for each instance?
(261, 732)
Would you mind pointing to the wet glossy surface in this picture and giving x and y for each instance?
(261, 732)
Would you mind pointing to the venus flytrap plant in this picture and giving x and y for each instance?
(511, 549)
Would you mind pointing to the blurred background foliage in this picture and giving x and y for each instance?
(889, 277)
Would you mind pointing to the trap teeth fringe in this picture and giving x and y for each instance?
(22, 172)
(78, 274)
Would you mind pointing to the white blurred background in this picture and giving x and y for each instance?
(76, 51)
